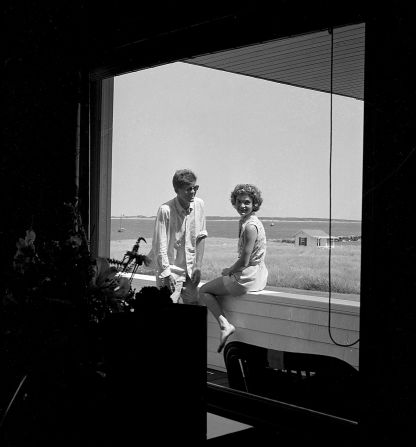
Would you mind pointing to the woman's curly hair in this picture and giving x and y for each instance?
(250, 190)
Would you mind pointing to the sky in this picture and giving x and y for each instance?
(232, 129)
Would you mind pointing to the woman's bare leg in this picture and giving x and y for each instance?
(209, 294)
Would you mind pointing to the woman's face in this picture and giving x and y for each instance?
(244, 205)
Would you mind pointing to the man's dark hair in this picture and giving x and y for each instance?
(183, 177)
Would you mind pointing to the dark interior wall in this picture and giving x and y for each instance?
(48, 47)
(388, 310)
(43, 56)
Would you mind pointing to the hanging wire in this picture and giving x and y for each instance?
(331, 32)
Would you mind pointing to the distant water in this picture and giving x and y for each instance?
(133, 228)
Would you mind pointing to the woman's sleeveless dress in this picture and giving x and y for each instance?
(253, 277)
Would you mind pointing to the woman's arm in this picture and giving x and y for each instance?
(250, 236)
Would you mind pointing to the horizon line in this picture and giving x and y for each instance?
(139, 216)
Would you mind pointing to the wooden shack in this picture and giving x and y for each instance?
(314, 238)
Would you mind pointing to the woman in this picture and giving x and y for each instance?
(249, 272)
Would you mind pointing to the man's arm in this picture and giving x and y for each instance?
(160, 242)
(200, 248)
(160, 248)
(200, 244)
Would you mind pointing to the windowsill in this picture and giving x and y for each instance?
(336, 298)
(286, 321)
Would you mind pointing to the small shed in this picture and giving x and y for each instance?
(313, 238)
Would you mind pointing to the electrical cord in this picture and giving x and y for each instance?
(331, 32)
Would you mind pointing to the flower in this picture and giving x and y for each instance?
(108, 291)
(26, 253)
(53, 298)
(61, 269)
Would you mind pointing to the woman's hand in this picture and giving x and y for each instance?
(226, 272)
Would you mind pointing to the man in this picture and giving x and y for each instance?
(179, 240)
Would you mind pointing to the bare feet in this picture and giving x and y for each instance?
(225, 333)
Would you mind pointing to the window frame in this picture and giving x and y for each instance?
(101, 131)
(101, 116)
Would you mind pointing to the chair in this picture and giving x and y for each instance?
(319, 382)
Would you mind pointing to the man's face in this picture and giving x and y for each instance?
(186, 194)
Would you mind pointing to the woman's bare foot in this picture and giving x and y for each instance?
(225, 333)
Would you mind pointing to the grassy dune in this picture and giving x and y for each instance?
(289, 266)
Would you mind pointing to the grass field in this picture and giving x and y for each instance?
(289, 266)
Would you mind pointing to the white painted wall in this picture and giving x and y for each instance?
(289, 322)
(286, 322)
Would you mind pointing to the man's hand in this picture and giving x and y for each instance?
(196, 276)
(170, 283)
